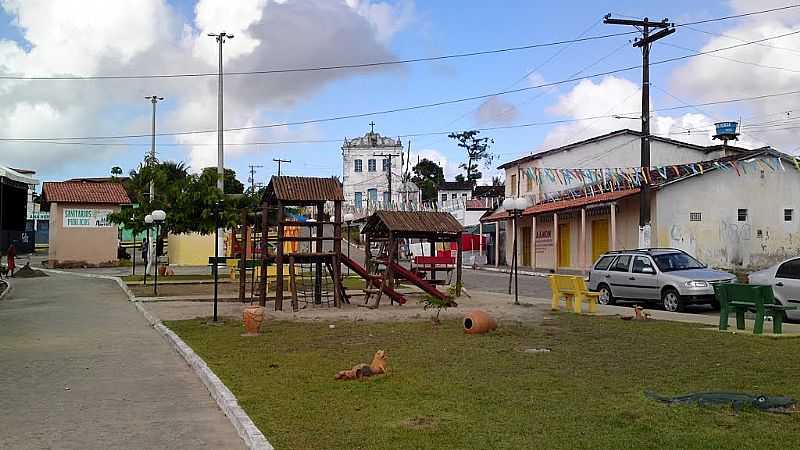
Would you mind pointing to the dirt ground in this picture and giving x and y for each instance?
(500, 307)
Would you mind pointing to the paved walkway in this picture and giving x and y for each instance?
(80, 368)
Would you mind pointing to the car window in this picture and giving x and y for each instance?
(789, 269)
(621, 264)
(667, 262)
(641, 264)
(604, 262)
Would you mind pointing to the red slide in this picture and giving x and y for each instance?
(417, 281)
(360, 271)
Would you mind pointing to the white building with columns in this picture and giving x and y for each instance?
(367, 163)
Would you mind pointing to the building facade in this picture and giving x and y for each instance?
(367, 164)
(16, 196)
(731, 207)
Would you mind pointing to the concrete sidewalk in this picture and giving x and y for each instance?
(81, 368)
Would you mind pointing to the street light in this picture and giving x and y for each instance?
(158, 217)
(515, 206)
(133, 266)
(148, 220)
(215, 266)
(349, 219)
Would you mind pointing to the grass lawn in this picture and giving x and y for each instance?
(448, 390)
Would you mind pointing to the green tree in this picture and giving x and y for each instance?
(477, 150)
(116, 171)
(428, 175)
(497, 181)
(232, 185)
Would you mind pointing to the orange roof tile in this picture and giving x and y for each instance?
(84, 192)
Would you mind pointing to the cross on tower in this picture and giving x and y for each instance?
(372, 127)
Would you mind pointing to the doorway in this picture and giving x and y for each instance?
(526, 246)
(563, 245)
(599, 238)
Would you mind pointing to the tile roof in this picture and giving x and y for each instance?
(303, 189)
(489, 191)
(84, 192)
(413, 222)
(562, 205)
(456, 185)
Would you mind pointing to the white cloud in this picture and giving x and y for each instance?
(495, 110)
(148, 36)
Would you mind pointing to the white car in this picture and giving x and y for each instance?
(785, 281)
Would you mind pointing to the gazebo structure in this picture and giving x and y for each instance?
(391, 227)
(307, 192)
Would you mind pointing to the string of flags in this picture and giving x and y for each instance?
(592, 181)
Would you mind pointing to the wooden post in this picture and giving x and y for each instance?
(318, 248)
(613, 227)
(459, 260)
(337, 252)
(432, 242)
(279, 262)
(264, 231)
(497, 244)
(390, 259)
(293, 284)
(243, 257)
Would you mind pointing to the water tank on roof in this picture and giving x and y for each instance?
(726, 131)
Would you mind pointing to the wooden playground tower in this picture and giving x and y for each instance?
(302, 192)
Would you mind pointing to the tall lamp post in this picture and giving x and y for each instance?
(217, 212)
(148, 221)
(133, 252)
(515, 206)
(158, 217)
(349, 219)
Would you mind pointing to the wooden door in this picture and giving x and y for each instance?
(599, 238)
(526, 246)
(563, 245)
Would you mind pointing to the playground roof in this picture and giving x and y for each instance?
(303, 190)
(417, 223)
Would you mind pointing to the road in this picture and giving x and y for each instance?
(81, 368)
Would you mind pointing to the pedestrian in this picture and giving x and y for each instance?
(11, 254)
(144, 250)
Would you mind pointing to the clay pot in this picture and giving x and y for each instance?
(252, 316)
(162, 270)
(478, 322)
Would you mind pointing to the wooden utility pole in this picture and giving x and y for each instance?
(281, 161)
(252, 178)
(389, 157)
(644, 42)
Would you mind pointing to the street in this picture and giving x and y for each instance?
(81, 368)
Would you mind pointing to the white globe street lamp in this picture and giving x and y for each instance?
(515, 207)
(148, 220)
(158, 216)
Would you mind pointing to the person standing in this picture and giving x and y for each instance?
(11, 254)
(145, 246)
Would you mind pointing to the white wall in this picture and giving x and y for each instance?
(719, 239)
(365, 180)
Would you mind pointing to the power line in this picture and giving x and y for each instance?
(728, 36)
(375, 63)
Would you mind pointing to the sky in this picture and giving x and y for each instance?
(47, 38)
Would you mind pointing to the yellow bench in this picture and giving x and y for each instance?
(574, 291)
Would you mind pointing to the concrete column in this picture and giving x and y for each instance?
(497, 244)
(480, 239)
(583, 239)
(533, 242)
(555, 242)
(612, 228)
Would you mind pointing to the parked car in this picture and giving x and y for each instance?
(785, 281)
(669, 276)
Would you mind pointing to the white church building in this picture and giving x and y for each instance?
(367, 164)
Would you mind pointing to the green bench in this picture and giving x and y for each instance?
(740, 298)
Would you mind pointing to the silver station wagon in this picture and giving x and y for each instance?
(666, 275)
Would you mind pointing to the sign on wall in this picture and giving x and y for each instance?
(87, 218)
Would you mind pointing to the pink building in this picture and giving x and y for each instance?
(80, 233)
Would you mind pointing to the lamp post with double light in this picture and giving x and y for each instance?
(515, 206)
(133, 252)
(158, 217)
(148, 221)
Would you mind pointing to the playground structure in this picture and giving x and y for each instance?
(387, 229)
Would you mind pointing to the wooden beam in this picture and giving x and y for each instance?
(279, 262)
(459, 260)
(337, 253)
(262, 286)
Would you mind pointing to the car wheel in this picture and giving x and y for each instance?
(715, 305)
(605, 298)
(672, 301)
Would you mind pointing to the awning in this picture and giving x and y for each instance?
(16, 176)
(562, 205)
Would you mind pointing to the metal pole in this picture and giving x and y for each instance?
(349, 234)
(216, 260)
(220, 153)
(154, 99)
(155, 267)
(133, 252)
(516, 272)
(148, 255)
(644, 196)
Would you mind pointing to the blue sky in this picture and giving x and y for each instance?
(422, 29)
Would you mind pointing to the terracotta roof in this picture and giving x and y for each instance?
(304, 189)
(562, 205)
(84, 192)
(413, 222)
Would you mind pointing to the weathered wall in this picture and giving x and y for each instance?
(720, 239)
(190, 249)
(91, 246)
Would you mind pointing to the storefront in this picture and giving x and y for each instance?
(80, 233)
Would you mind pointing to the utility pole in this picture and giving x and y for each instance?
(220, 153)
(252, 178)
(389, 157)
(154, 99)
(281, 161)
(645, 26)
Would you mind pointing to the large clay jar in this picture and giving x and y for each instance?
(252, 316)
(478, 322)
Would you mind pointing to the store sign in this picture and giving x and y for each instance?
(38, 215)
(87, 218)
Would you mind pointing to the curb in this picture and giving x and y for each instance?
(494, 269)
(226, 401)
(9, 288)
